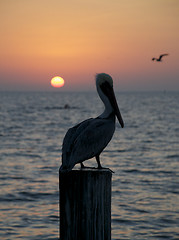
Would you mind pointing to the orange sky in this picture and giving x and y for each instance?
(76, 39)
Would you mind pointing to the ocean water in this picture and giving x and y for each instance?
(144, 156)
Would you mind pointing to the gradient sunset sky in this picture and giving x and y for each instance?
(76, 39)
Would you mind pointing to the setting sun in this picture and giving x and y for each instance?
(57, 82)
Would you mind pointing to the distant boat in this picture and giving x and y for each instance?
(160, 57)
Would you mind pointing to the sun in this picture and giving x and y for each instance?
(57, 82)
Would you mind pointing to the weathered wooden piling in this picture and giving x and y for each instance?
(85, 205)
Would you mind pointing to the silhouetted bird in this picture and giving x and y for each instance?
(160, 58)
(88, 138)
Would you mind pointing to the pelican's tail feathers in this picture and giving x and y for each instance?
(66, 166)
(64, 169)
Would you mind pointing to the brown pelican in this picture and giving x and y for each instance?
(160, 57)
(88, 138)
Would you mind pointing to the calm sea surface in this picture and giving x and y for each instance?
(144, 156)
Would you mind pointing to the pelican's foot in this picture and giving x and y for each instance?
(97, 168)
(84, 167)
(100, 167)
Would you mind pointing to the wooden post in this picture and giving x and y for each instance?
(85, 205)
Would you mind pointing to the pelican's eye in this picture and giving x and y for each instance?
(106, 87)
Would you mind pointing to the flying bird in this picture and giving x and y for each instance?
(160, 57)
(88, 138)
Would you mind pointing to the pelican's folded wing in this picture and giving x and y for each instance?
(69, 139)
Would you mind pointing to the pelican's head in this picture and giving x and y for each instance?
(102, 78)
(104, 85)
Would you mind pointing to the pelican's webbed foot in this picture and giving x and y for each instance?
(99, 164)
(84, 167)
(101, 168)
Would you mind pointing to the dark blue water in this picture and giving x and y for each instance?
(144, 156)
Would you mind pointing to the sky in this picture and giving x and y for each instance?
(76, 39)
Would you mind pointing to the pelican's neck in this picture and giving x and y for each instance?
(105, 114)
(108, 108)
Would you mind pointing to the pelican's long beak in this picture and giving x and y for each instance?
(108, 90)
(114, 104)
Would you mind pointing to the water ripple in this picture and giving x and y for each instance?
(144, 156)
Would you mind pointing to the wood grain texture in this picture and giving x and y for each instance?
(85, 205)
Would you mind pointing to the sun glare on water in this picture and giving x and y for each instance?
(57, 82)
